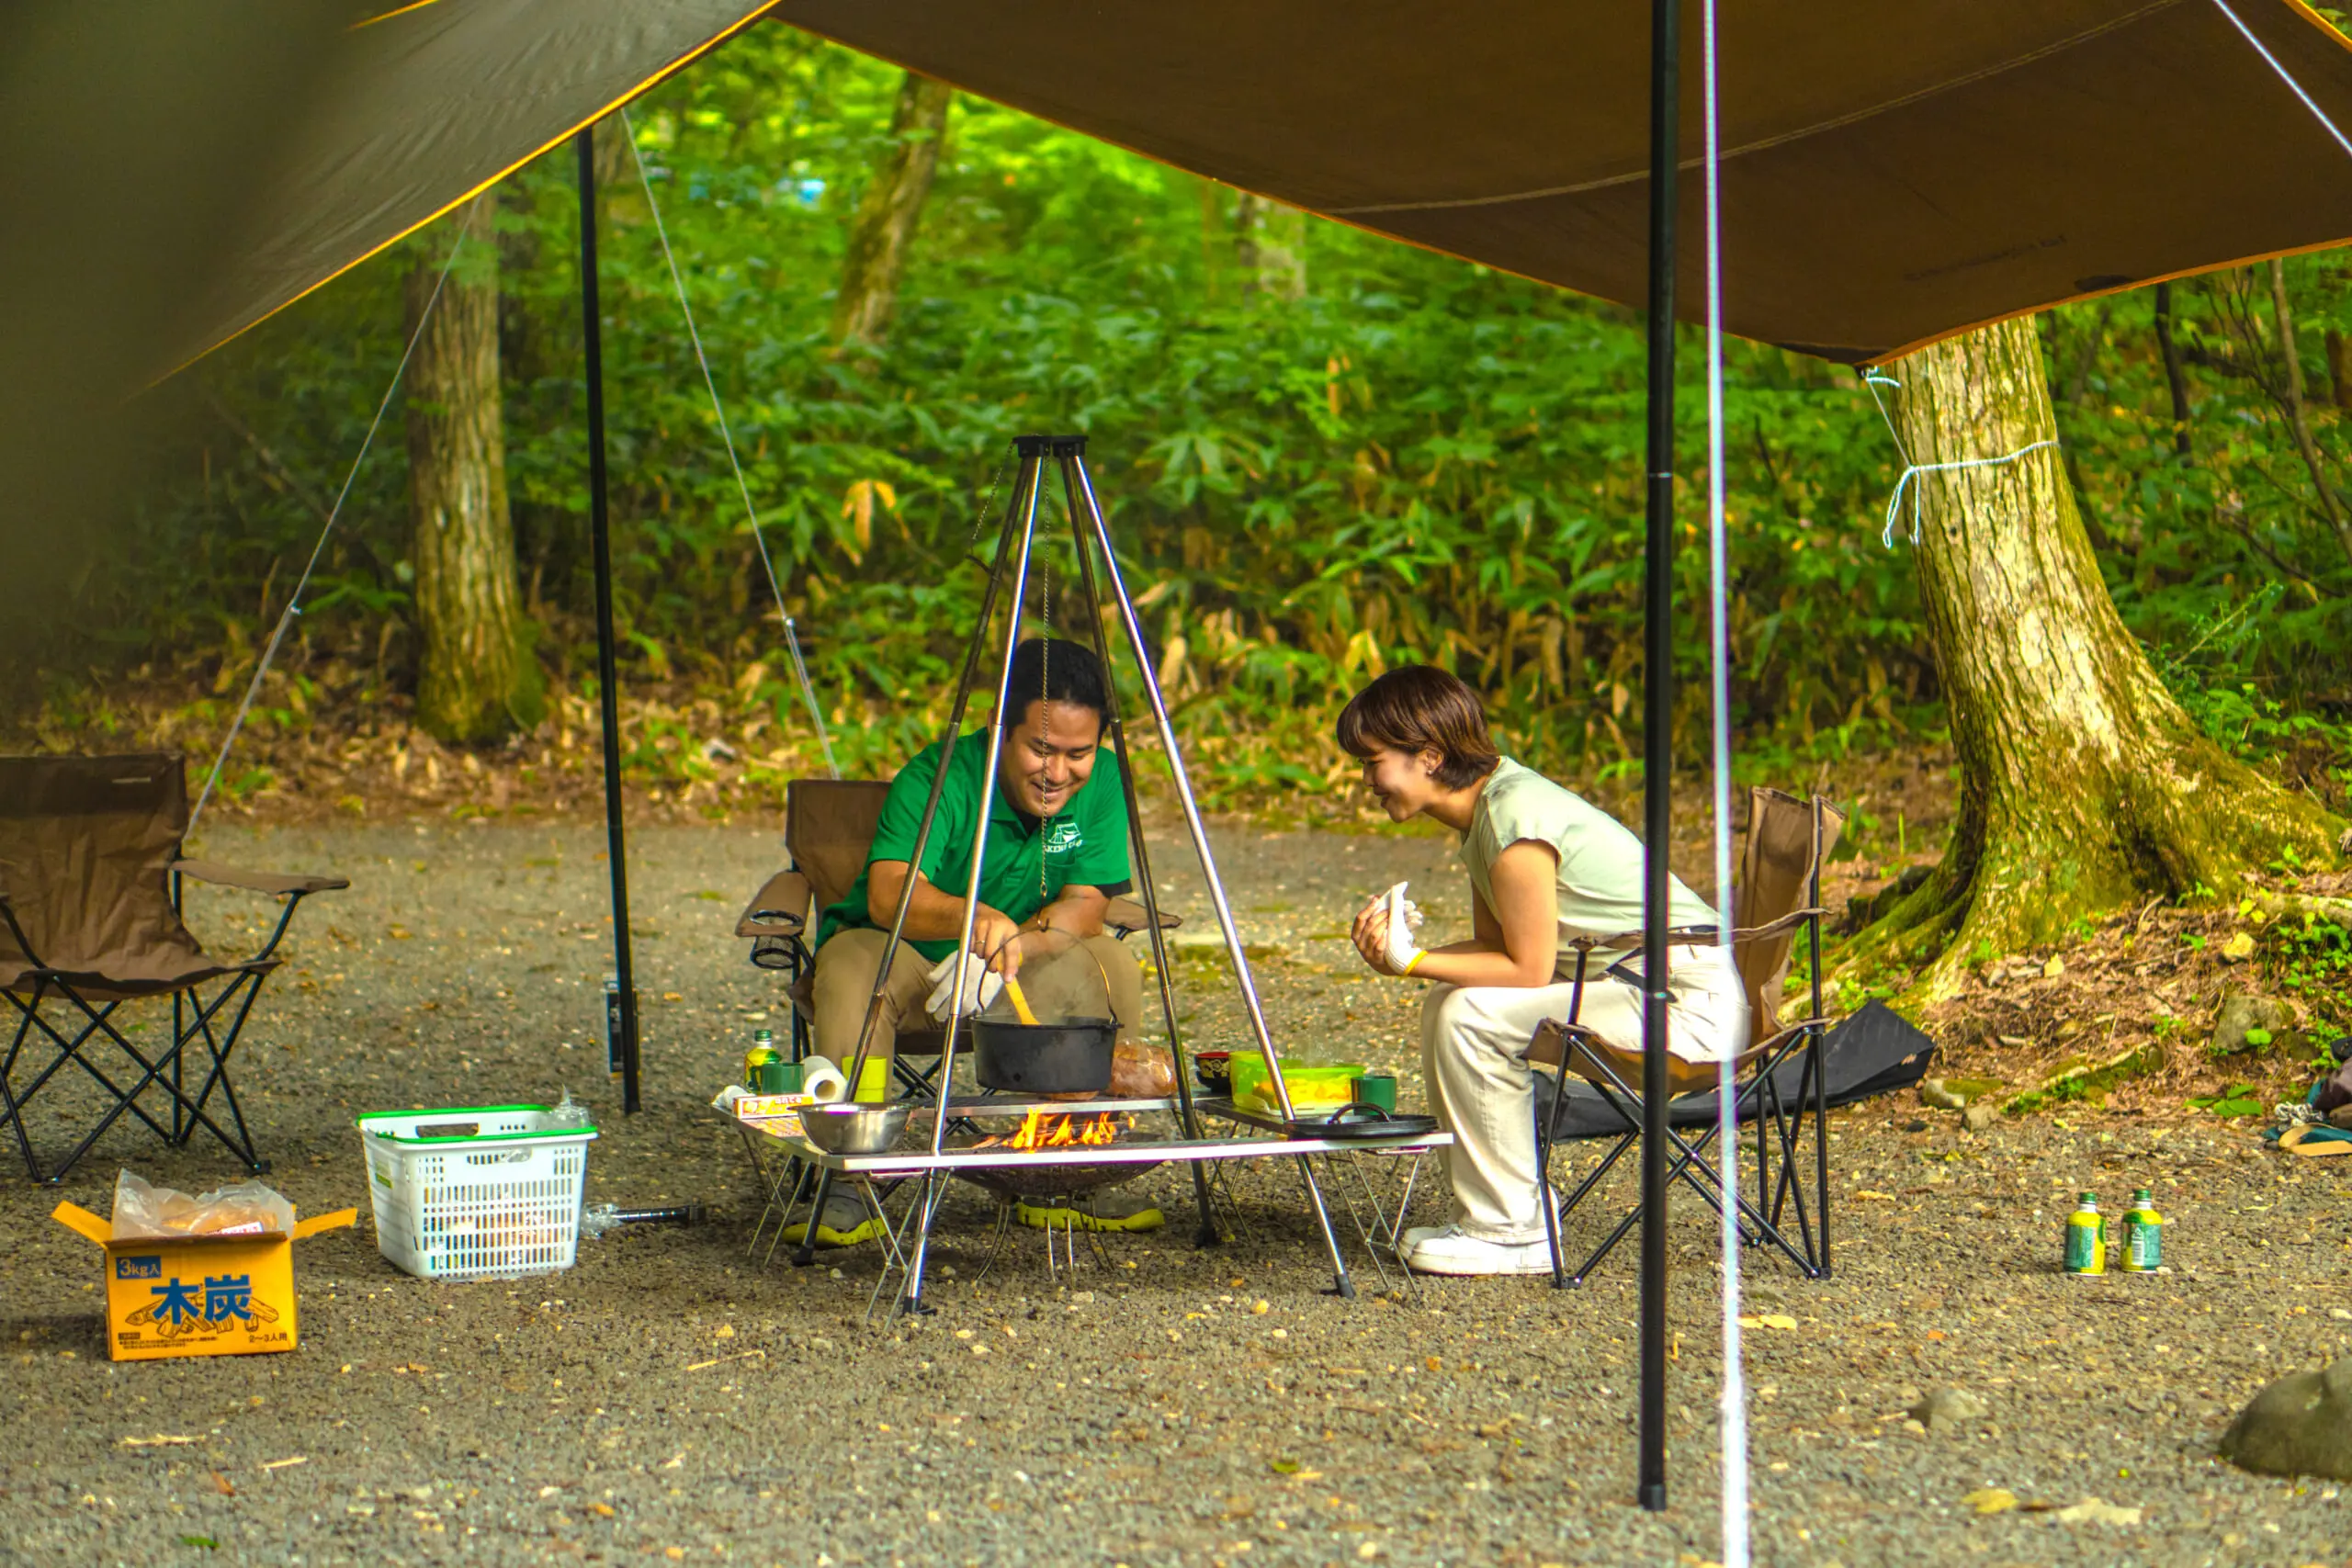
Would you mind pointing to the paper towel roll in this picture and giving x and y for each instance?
(823, 1081)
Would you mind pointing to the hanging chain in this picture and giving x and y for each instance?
(988, 507)
(1044, 685)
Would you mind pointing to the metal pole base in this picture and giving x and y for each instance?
(1654, 1496)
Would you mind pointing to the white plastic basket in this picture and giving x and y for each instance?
(478, 1191)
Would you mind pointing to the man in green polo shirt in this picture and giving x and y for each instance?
(1056, 854)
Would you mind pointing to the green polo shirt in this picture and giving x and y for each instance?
(1030, 859)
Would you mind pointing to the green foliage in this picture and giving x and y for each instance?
(1420, 459)
(2066, 1091)
(2238, 1099)
(2313, 959)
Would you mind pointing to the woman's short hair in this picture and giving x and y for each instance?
(1418, 708)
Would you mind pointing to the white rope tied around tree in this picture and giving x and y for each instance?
(726, 438)
(294, 600)
(1873, 379)
(1735, 1387)
(1911, 470)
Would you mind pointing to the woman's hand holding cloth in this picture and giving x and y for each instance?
(1384, 931)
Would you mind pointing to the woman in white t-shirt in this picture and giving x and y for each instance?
(1547, 866)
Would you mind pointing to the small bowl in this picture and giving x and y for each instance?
(847, 1128)
(1214, 1070)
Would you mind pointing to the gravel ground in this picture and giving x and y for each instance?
(672, 1399)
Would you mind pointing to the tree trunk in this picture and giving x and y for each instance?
(1270, 241)
(2083, 784)
(2175, 377)
(883, 230)
(477, 680)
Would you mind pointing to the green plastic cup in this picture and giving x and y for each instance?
(1377, 1088)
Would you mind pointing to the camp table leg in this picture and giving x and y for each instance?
(804, 1177)
(1341, 1286)
(996, 1238)
(807, 1252)
(1387, 1230)
(1367, 1233)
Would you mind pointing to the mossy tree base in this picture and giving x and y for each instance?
(2084, 786)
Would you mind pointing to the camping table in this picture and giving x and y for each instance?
(1375, 1223)
(787, 1180)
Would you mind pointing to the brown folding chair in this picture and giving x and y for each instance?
(90, 870)
(829, 827)
(1780, 892)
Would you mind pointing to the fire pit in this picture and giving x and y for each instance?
(1042, 1129)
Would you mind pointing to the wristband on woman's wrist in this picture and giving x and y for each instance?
(1413, 963)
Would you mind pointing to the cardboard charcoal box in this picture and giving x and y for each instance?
(775, 1115)
(224, 1294)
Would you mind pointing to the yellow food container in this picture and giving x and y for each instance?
(1326, 1087)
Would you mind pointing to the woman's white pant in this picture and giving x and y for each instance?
(1474, 1065)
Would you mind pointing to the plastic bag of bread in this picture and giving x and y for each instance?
(1141, 1072)
(245, 1208)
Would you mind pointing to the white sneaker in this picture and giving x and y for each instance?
(1453, 1251)
(1420, 1234)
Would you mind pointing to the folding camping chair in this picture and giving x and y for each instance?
(90, 870)
(1780, 890)
(829, 825)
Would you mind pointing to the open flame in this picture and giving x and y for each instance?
(1044, 1130)
(1041, 1129)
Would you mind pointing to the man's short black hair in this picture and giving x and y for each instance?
(1052, 669)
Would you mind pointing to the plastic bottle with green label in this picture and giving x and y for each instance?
(2085, 1239)
(756, 1059)
(2144, 1244)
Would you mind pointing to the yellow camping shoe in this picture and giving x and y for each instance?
(1108, 1212)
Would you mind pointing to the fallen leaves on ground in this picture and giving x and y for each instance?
(2092, 1510)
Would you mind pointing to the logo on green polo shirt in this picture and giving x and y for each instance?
(1064, 837)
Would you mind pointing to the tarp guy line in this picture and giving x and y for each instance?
(2293, 86)
(294, 601)
(1735, 1389)
(718, 412)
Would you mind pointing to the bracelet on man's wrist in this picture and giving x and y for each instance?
(1411, 963)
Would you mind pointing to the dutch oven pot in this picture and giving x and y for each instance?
(1043, 1058)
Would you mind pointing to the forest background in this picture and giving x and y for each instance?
(1323, 453)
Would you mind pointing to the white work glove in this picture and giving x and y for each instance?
(982, 987)
(1404, 920)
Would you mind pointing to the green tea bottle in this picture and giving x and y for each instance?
(756, 1059)
(2143, 1243)
(2085, 1238)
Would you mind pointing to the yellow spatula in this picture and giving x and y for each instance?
(1020, 1002)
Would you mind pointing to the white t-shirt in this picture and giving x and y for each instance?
(1601, 860)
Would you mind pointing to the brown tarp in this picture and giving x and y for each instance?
(1893, 171)
(433, 102)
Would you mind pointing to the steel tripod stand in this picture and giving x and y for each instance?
(1008, 579)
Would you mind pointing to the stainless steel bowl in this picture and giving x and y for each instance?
(843, 1128)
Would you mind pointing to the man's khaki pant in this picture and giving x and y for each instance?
(1060, 986)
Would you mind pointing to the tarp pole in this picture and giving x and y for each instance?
(607, 672)
(1657, 737)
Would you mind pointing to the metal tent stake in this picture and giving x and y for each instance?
(607, 672)
(1658, 739)
(1010, 571)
